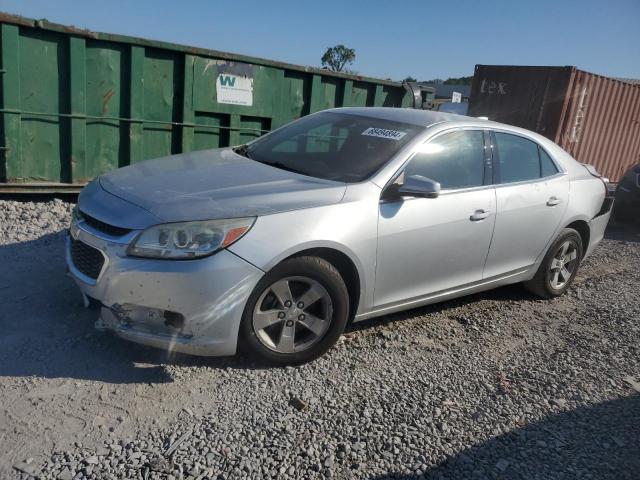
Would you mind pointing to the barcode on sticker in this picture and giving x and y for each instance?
(384, 133)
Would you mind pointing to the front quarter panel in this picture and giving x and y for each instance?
(349, 227)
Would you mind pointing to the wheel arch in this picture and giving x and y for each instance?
(345, 266)
(582, 227)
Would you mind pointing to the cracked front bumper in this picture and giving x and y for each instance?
(208, 293)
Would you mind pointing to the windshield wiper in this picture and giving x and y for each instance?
(242, 150)
(282, 166)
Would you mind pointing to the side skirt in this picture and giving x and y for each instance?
(443, 295)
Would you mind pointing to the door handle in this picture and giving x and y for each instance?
(553, 201)
(479, 215)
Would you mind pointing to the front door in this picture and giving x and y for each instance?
(429, 245)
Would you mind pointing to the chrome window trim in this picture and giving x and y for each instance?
(530, 182)
(526, 137)
(450, 191)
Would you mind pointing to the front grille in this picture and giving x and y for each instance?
(103, 227)
(86, 259)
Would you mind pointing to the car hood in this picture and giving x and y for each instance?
(214, 184)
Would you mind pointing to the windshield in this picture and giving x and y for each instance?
(332, 146)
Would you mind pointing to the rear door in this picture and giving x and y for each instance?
(429, 245)
(532, 195)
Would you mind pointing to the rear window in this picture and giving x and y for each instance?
(521, 159)
(518, 158)
(333, 146)
(547, 167)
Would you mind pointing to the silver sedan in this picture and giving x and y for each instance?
(343, 215)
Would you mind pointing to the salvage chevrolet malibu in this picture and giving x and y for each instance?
(347, 214)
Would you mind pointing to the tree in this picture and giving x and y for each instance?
(459, 81)
(410, 79)
(338, 57)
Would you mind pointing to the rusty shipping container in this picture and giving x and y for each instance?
(76, 103)
(594, 118)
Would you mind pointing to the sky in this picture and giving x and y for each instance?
(422, 39)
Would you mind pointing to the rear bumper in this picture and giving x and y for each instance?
(205, 298)
(598, 225)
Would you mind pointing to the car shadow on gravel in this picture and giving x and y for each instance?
(47, 332)
(515, 293)
(600, 441)
(52, 335)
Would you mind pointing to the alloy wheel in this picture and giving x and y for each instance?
(563, 265)
(292, 314)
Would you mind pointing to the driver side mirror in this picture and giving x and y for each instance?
(419, 186)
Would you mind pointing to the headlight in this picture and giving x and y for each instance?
(189, 239)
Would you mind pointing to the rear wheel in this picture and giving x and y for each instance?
(296, 312)
(559, 266)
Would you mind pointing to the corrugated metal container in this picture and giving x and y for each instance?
(594, 118)
(77, 103)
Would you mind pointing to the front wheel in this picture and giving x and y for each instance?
(559, 266)
(296, 312)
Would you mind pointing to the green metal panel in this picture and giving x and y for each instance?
(44, 86)
(11, 165)
(78, 170)
(362, 95)
(106, 87)
(76, 104)
(188, 114)
(331, 95)
(136, 103)
(296, 94)
(217, 133)
(251, 128)
(160, 82)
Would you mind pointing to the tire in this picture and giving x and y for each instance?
(278, 328)
(550, 280)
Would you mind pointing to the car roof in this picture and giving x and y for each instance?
(413, 116)
(427, 118)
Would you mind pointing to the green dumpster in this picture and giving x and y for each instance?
(77, 103)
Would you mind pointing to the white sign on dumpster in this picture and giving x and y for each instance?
(234, 89)
(456, 97)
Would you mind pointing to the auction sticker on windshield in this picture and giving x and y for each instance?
(384, 133)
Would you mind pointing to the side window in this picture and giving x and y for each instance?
(547, 167)
(518, 157)
(455, 159)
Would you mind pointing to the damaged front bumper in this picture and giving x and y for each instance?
(189, 306)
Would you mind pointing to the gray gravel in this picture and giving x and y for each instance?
(496, 385)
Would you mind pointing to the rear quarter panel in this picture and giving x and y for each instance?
(586, 198)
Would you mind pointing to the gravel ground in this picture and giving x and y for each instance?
(491, 386)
